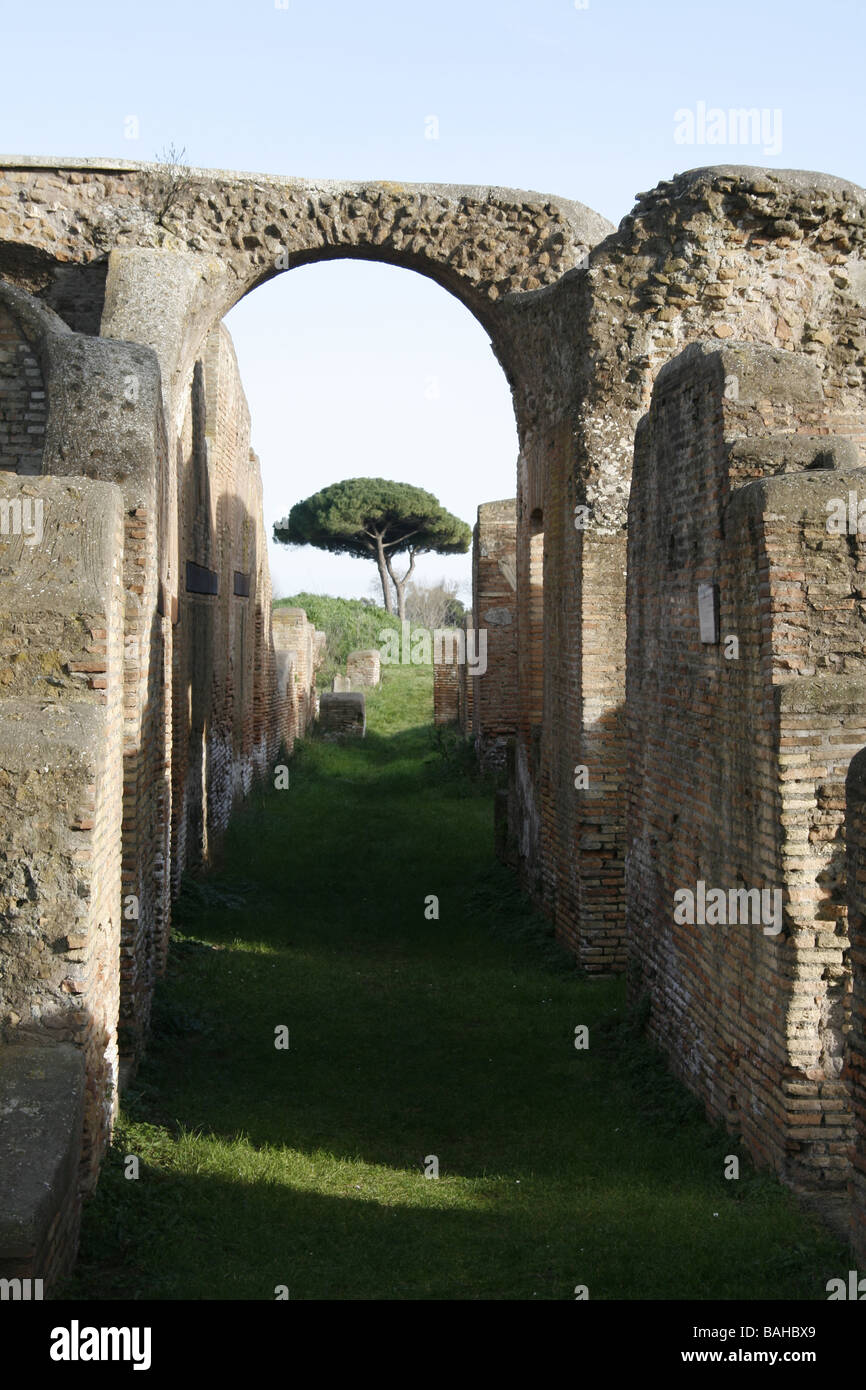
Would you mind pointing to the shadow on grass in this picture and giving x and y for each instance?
(208, 1236)
(412, 1034)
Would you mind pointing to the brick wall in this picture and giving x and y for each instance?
(230, 712)
(855, 1073)
(23, 404)
(61, 784)
(709, 254)
(216, 746)
(739, 257)
(738, 746)
(298, 649)
(494, 607)
(465, 686)
(475, 679)
(446, 692)
(485, 704)
(363, 668)
(149, 580)
(106, 419)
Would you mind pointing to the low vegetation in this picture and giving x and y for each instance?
(414, 1040)
(350, 624)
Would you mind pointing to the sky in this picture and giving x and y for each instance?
(357, 369)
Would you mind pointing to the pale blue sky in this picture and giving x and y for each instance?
(354, 368)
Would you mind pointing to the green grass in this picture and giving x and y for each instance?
(411, 1037)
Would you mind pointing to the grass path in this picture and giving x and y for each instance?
(409, 1038)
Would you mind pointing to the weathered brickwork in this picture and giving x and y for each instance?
(342, 715)
(61, 782)
(110, 340)
(739, 739)
(363, 668)
(465, 685)
(95, 626)
(494, 605)
(222, 736)
(855, 1071)
(475, 682)
(23, 410)
(298, 651)
(446, 692)
(739, 254)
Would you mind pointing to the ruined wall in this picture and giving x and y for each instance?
(582, 319)
(768, 257)
(855, 1071)
(224, 728)
(494, 605)
(103, 418)
(61, 781)
(465, 686)
(298, 651)
(765, 256)
(342, 715)
(106, 420)
(495, 249)
(93, 631)
(446, 692)
(363, 668)
(571, 632)
(23, 405)
(232, 707)
(480, 692)
(741, 725)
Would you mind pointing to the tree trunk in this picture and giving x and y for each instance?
(400, 584)
(381, 561)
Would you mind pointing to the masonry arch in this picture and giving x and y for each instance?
(731, 255)
(171, 280)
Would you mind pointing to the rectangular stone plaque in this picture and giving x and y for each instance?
(708, 612)
(200, 580)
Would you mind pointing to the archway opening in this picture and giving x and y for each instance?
(360, 368)
(344, 369)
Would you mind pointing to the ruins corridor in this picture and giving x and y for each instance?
(410, 1038)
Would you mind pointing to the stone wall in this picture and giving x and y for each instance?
(110, 339)
(136, 632)
(41, 1125)
(446, 692)
(226, 727)
(475, 683)
(342, 714)
(746, 700)
(728, 253)
(299, 649)
(855, 1072)
(465, 686)
(363, 668)
(61, 782)
(23, 407)
(494, 606)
